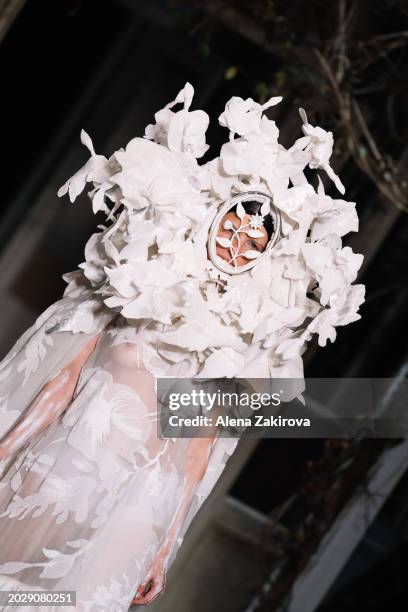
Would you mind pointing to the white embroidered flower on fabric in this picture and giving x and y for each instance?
(113, 596)
(150, 261)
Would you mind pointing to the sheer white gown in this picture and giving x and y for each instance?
(86, 503)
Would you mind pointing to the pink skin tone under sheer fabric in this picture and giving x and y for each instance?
(48, 405)
(126, 368)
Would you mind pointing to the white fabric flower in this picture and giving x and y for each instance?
(320, 148)
(244, 116)
(96, 169)
(333, 269)
(182, 131)
(343, 310)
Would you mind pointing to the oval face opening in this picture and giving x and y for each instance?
(244, 230)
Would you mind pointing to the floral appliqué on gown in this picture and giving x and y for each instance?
(86, 504)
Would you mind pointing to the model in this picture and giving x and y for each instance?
(220, 269)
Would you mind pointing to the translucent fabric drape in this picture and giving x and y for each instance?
(86, 503)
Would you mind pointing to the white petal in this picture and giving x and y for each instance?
(240, 211)
(251, 254)
(303, 115)
(224, 242)
(254, 233)
(265, 208)
(272, 102)
(86, 140)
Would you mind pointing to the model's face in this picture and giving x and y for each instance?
(240, 241)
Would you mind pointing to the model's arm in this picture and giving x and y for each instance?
(198, 454)
(51, 401)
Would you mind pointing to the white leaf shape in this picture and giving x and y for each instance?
(303, 115)
(78, 543)
(50, 553)
(272, 102)
(254, 233)
(251, 254)
(86, 140)
(240, 211)
(14, 566)
(224, 242)
(265, 208)
(57, 568)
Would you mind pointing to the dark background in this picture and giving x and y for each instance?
(107, 67)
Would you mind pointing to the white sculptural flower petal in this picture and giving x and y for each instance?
(244, 116)
(320, 148)
(186, 132)
(181, 131)
(96, 169)
(241, 116)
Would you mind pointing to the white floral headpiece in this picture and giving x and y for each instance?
(151, 263)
